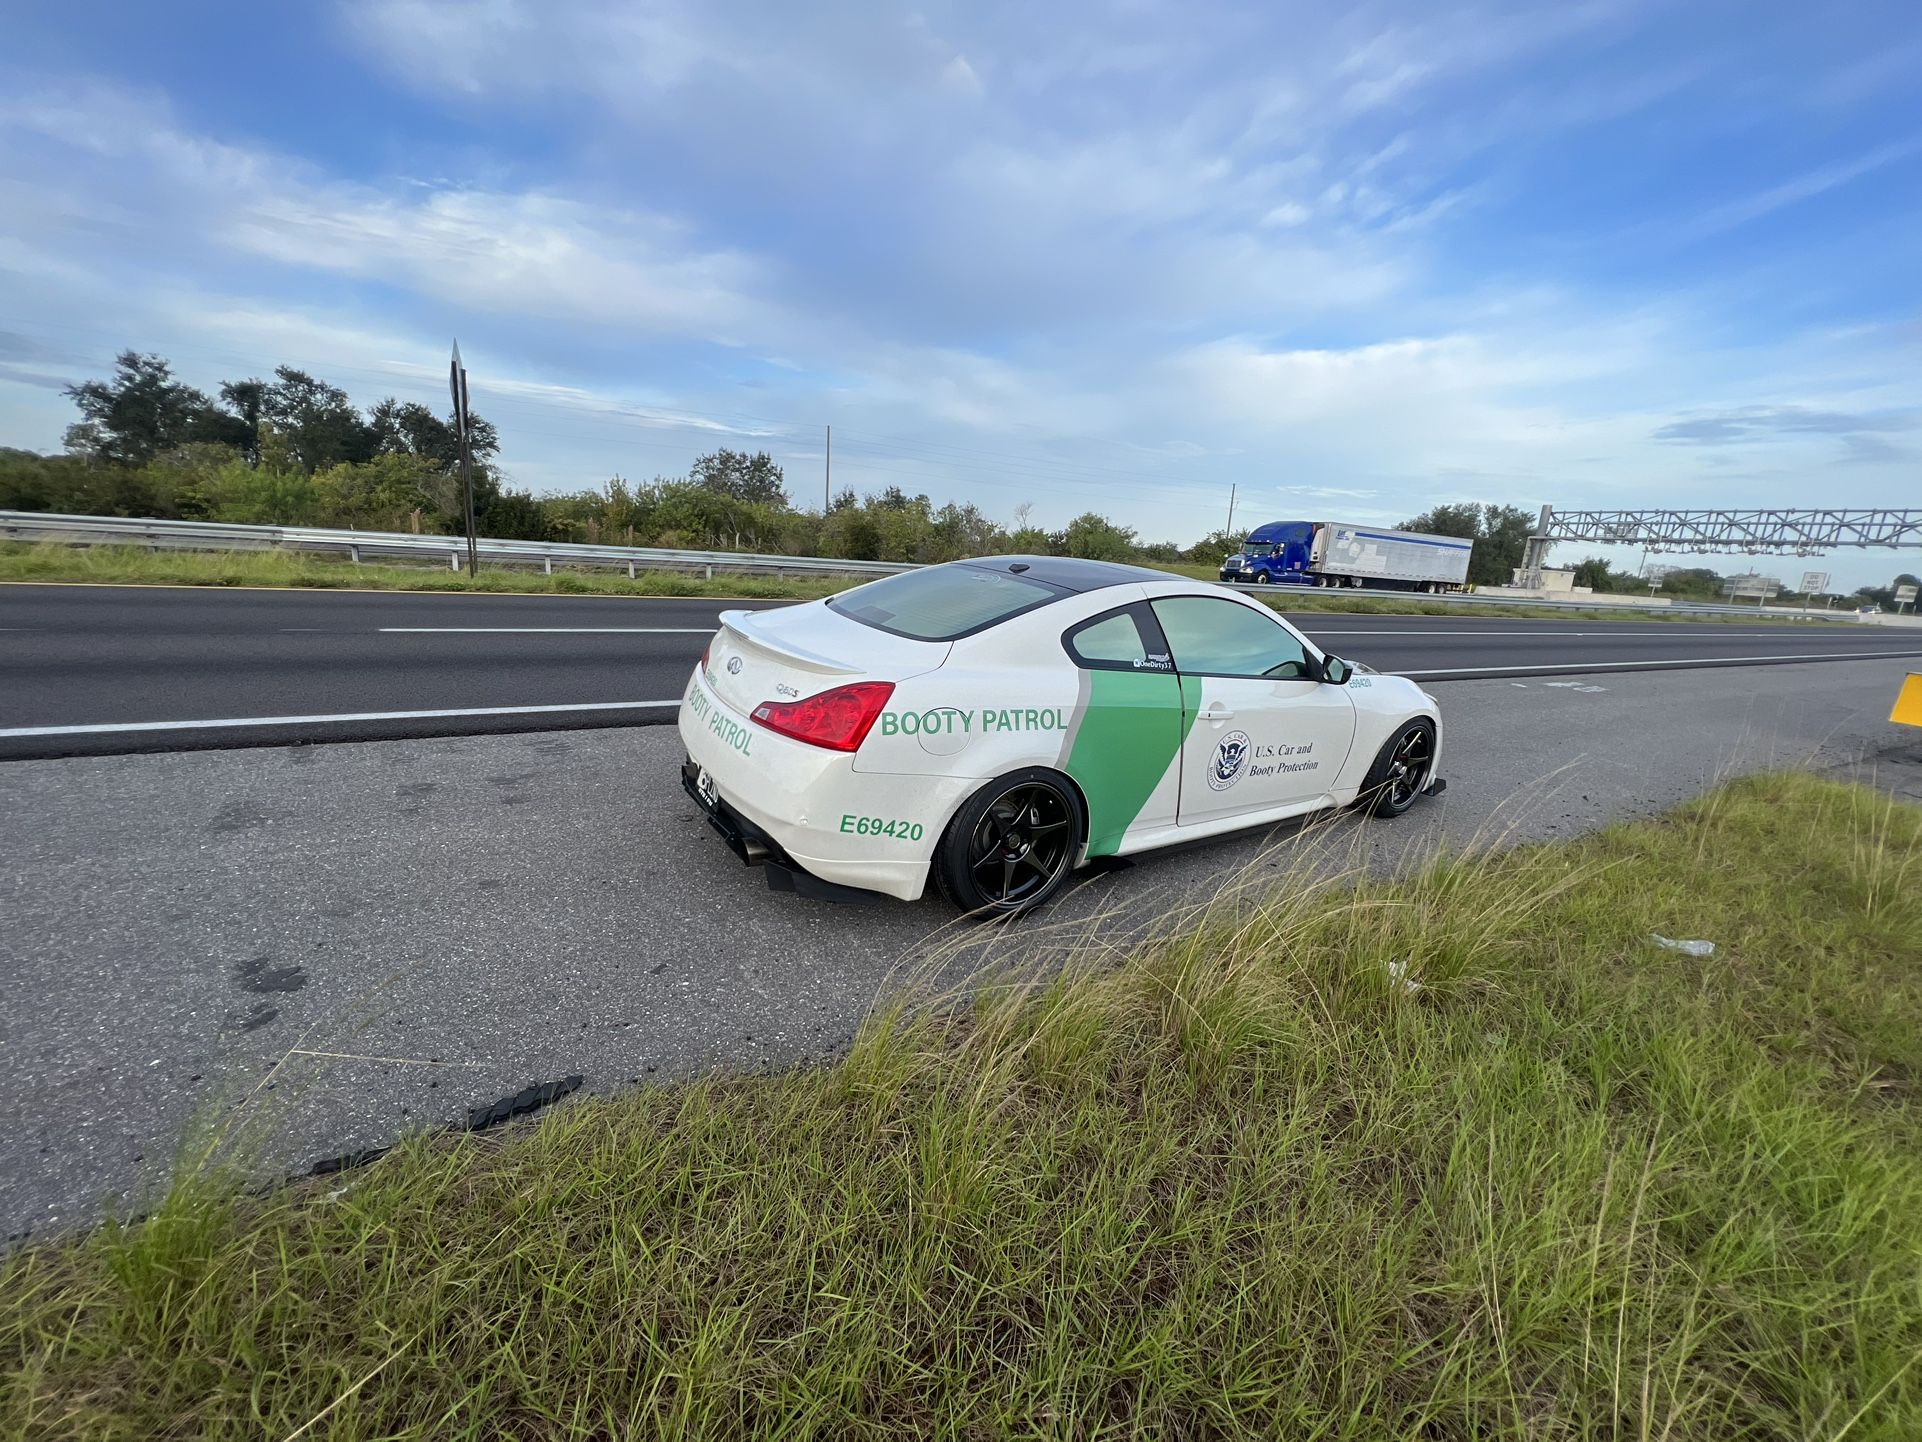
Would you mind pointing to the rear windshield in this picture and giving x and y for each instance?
(943, 603)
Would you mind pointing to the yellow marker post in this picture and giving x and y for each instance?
(1908, 705)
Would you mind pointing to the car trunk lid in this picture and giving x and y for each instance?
(799, 651)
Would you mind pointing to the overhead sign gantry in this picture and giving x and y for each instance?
(1752, 532)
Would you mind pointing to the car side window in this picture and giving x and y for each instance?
(1220, 638)
(1114, 643)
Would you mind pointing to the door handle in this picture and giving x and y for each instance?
(1217, 712)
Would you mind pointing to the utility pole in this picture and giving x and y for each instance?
(457, 384)
(1231, 509)
(827, 476)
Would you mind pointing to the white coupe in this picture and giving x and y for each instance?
(994, 724)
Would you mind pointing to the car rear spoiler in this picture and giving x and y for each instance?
(750, 627)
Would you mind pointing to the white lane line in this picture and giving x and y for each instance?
(1605, 665)
(1671, 635)
(112, 727)
(548, 630)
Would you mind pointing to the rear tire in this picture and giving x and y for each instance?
(1011, 845)
(1402, 770)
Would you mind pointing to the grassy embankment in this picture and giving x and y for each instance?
(133, 565)
(1244, 1183)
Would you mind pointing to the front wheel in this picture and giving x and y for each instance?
(1011, 845)
(1402, 771)
(1261, 578)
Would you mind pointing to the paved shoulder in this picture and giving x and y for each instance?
(372, 938)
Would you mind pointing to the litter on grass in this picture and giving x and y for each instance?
(1687, 948)
(1398, 973)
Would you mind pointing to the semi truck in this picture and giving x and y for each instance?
(1329, 553)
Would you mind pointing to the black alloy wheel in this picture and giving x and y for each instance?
(1011, 846)
(1020, 844)
(1403, 770)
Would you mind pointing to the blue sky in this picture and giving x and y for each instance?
(1354, 259)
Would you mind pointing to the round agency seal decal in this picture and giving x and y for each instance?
(1231, 756)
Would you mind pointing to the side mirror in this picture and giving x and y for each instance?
(1336, 671)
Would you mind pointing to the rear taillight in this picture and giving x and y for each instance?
(838, 720)
(706, 651)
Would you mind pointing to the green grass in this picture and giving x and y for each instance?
(134, 565)
(1415, 606)
(1291, 599)
(1240, 1183)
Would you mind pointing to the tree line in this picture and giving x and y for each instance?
(295, 450)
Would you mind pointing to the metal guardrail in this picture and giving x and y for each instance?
(385, 545)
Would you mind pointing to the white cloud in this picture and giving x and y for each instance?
(1325, 491)
(499, 47)
(959, 77)
(527, 254)
(1285, 216)
(1794, 191)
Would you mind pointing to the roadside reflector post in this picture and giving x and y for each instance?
(453, 560)
(354, 551)
(547, 565)
(630, 570)
(1908, 702)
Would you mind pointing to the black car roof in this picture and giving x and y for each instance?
(1070, 573)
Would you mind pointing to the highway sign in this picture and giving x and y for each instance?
(1904, 593)
(1814, 583)
(457, 388)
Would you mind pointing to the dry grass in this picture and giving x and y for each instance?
(1458, 1156)
(133, 565)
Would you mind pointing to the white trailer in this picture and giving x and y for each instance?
(1329, 553)
(1371, 555)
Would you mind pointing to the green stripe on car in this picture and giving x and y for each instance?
(1129, 726)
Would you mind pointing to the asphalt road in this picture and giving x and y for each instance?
(323, 948)
(105, 669)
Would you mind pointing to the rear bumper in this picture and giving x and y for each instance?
(805, 803)
(756, 848)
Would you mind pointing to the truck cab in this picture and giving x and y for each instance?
(1281, 551)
